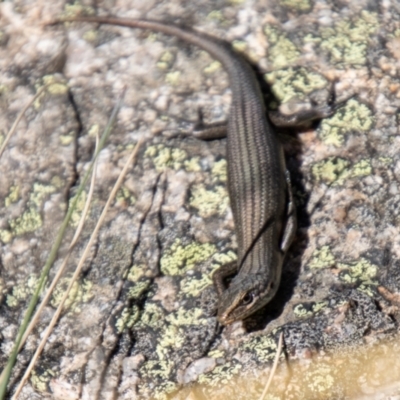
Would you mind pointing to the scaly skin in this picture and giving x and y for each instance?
(258, 185)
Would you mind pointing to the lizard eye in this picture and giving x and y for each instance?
(248, 298)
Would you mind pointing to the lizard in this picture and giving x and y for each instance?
(258, 182)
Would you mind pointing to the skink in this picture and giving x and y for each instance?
(258, 182)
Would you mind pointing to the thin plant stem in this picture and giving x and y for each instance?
(274, 366)
(19, 117)
(5, 375)
(78, 268)
(59, 273)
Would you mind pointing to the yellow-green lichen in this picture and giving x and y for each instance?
(186, 317)
(22, 291)
(298, 5)
(157, 368)
(152, 37)
(217, 353)
(172, 337)
(39, 192)
(219, 171)
(300, 312)
(136, 272)
(220, 375)
(192, 165)
(127, 147)
(294, 83)
(320, 380)
(41, 382)
(166, 60)
(239, 45)
(224, 258)
(180, 258)
(385, 160)
(166, 157)
(346, 43)
(94, 130)
(77, 8)
(360, 270)
(57, 182)
(164, 387)
(322, 258)
(215, 15)
(173, 78)
(5, 235)
(128, 317)
(90, 36)
(367, 288)
(336, 171)
(282, 52)
(354, 116)
(263, 347)
(152, 316)
(138, 289)
(66, 140)
(30, 220)
(57, 88)
(319, 305)
(55, 85)
(330, 170)
(80, 205)
(81, 292)
(193, 286)
(362, 168)
(162, 391)
(209, 202)
(212, 67)
(13, 196)
(303, 310)
(124, 195)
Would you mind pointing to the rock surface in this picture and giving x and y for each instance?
(141, 322)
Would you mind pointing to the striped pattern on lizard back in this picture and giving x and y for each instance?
(256, 175)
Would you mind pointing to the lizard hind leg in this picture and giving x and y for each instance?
(209, 131)
(294, 113)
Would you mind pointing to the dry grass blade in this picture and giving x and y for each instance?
(18, 119)
(64, 264)
(274, 366)
(78, 268)
(6, 373)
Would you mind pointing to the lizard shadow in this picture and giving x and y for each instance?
(292, 264)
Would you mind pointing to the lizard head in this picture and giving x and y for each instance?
(245, 296)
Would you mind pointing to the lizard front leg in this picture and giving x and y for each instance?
(221, 274)
(302, 116)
